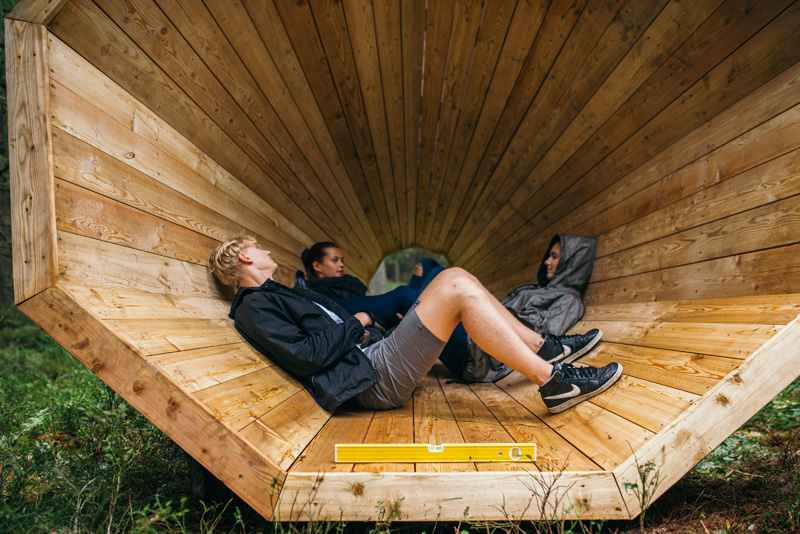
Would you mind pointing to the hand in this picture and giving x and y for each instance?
(364, 318)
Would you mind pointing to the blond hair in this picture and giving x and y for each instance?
(224, 260)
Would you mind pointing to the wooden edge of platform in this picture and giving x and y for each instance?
(719, 413)
(227, 455)
(36, 11)
(30, 159)
(464, 496)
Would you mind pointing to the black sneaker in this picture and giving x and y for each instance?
(570, 385)
(567, 349)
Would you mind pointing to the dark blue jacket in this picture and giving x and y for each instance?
(288, 328)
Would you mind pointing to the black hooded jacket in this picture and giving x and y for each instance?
(338, 287)
(287, 327)
(547, 307)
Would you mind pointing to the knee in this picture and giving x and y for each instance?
(463, 284)
(457, 273)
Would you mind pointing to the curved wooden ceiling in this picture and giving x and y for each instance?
(468, 128)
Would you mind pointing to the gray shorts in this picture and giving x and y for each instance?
(402, 361)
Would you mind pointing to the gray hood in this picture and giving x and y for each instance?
(576, 263)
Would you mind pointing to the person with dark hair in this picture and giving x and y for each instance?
(324, 264)
(317, 341)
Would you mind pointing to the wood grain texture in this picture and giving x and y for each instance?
(81, 164)
(729, 405)
(762, 309)
(412, 16)
(447, 496)
(773, 225)
(36, 11)
(390, 426)
(685, 371)
(720, 339)
(752, 132)
(511, 99)
(284, 431)
(389, 37)
(314, 185)
(647, 404)
(362, 33)
(90, 262)
(79, 211)
(467, 18)
(438, 32)
(553, 452)
(87, 30)
(603, 436)
(435, 423)
(479, 425)
(767, 272)
(81, 78)
(539, 159)
(197, 369)
(298, 21)
(546, 115)
(504, 41)
(161, 336)
(295, 106)
(30, 160)
(755, 62)
(348, 426)
(116, 303)
(243, 399)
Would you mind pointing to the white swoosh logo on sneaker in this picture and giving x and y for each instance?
(567, 350)
(569, 394)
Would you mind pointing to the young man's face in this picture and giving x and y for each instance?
(261, 259)
(552, 259)
(332, 265)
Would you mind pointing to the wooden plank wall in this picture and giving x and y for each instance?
(714, 215)
(699, 202)
(137, 210)
(33, 226)
(472, 129)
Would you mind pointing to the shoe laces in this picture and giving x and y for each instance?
(569, 337)
(578, 372)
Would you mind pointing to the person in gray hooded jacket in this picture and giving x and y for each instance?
(552, 306)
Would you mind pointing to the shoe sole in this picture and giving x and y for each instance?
(589, 346)
(580, 398)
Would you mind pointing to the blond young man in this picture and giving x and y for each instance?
(318, 342)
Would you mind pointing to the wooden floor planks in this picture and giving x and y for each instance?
(190, 338)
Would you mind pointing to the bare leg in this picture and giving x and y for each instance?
(456, 296)
(532, 339)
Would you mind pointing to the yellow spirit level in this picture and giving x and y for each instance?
(447, 452)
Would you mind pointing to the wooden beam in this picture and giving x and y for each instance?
(30, 159)
(412, 16)
(36, 11)
(765, 272)
(451, 496)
